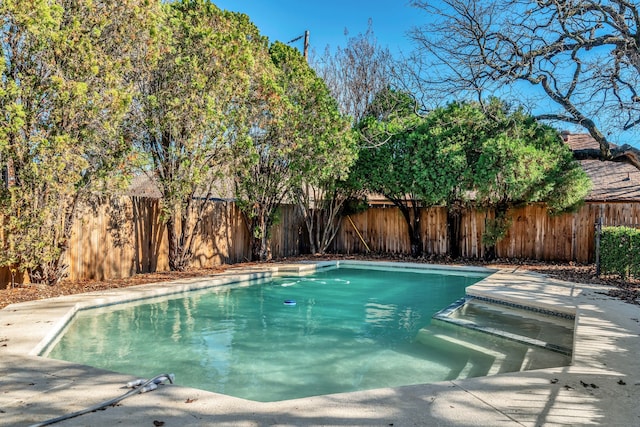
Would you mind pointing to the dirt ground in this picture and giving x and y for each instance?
(628, 290)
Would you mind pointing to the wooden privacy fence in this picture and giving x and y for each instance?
(125, 236)
(533, 234)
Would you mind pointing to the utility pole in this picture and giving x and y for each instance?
(305, 51)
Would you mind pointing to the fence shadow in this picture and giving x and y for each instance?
(149, 235)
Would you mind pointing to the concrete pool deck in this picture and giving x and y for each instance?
(601, 387)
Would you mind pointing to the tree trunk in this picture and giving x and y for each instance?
(260, 249)
(265, 252)
(181, 240)
(311, 224)
(490, 252)
(412, 218)
(175, 262)
(416, 239)
(499, 228)
(454, 224)
(256, 248)
(259, 229)
(327, 224)
(322, 221)
(52, 272)
(329, 231)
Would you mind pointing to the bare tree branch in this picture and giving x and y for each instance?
(356, 73)
(583, 55)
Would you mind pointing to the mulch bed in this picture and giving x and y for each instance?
(22, 293)
(627, 290)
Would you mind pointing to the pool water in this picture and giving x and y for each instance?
(554, 330)
(343, 329)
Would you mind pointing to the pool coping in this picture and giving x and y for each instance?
(605, 343)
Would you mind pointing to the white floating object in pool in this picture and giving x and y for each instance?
(289, 302)
(288, 284)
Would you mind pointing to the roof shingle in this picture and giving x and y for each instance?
(612, 181)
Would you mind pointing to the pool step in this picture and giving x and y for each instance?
(479, 360)
(473, 354)
(533, 328)
(428, 337)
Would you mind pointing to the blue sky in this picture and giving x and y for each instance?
(327, 20)
(284, 20)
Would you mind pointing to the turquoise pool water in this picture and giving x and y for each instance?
(350, 329)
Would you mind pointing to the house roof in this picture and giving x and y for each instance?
(145, 185)
(612, 181)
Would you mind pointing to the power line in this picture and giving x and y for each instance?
(305, 51)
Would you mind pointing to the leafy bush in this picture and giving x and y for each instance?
(496, 229)
(353, 206)
(620, 251)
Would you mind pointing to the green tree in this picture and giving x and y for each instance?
(326, 145)
(490, 156)
(191, 111)
(299, 144)
(386, 163)
(441, 159)
(518, 161)
(65, 90)
(472, 153)
(263, 153)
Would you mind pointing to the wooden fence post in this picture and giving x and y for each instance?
(598, 234)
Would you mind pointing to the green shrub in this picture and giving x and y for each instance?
(620, 251)
(353, 206)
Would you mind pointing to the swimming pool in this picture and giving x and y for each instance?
(349, 329)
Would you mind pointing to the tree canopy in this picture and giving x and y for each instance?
(517, 160)
(191, 109)
(385, 163)
(326, 143)
(297, 140)
(484, 155)
(65, 90)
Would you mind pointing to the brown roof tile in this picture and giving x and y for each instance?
(612, 181)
